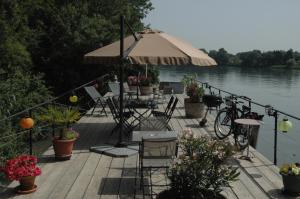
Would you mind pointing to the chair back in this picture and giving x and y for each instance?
(93, 93)
(126, 87)
(158, 148)
(172, 109)
(114, 87)
(112, 109)
(169, 104)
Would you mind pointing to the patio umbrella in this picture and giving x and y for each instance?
(147, 47)
(152, 47)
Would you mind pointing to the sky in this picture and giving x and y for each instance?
(236, 25)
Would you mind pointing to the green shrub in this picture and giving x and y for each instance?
(200, 171)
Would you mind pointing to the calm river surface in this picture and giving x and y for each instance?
(278, 87)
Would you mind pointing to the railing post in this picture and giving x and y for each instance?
(30, 136)
(275, 137)
(53, 125)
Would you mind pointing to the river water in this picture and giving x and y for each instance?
(278, 87)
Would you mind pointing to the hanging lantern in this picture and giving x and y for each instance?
(73, 98)
(26, 123)
(285, 125)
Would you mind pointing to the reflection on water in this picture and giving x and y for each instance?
(277, 86)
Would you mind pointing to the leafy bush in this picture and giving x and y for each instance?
(200, 171)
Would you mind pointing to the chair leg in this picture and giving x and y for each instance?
(94, 109)
(103, 108)
(151, 191)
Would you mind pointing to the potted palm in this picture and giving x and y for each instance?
(194, 106)
(62, 118)
(291, 177)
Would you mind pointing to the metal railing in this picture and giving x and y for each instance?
(271, 111)
(19, 136)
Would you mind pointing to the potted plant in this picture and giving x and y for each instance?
(200, 171)
(145, 84)
(23, 169)
(194, 107)
(291, 177)
(132, 82)
(61, 118)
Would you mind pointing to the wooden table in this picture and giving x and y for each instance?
(137, 136)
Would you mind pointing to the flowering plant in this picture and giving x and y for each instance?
(141, 80)
(290, 169)
(21, 166)
(200, 171)
(193, 89)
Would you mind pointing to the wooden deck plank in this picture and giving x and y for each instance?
(93, 189)
(82, 181)
(110, 185)
(129, 174)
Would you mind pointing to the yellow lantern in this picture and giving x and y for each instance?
(73, 98)
(285, 125)
(26, 123)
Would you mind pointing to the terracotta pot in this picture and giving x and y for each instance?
(291, 183)
(27, 183)
(193, 110)
(63, 148)
(146, 90)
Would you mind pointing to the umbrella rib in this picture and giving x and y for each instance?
(128, 50)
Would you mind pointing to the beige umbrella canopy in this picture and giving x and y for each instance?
(154, 48)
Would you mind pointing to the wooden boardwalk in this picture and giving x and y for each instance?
(90, 175)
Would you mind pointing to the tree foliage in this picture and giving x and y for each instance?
(256, 58)
(42, 43)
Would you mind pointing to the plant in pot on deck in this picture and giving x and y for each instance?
(23, 169)
(202, 170)
(291, 177)
(61, 118)
(145, 84)
(194, 107)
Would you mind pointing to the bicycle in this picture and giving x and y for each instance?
(224, 123)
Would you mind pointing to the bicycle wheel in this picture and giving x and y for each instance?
(241, 136)
(222, 124)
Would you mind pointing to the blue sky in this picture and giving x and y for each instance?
(236, 25)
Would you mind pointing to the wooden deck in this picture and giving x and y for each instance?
(91, 175)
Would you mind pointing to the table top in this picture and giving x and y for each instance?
(251, 122)
(137, 136)
(141, 104)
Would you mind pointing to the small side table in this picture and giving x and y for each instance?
(250, 123)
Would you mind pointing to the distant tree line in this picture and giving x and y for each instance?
(257, 58)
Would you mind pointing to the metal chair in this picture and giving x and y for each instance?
(163, 113)
(97, 98)
(155, 154)
(129, 121)
(162, 121)
(114, 88)
(127, 126)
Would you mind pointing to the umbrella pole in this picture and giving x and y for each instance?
(119, 144)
